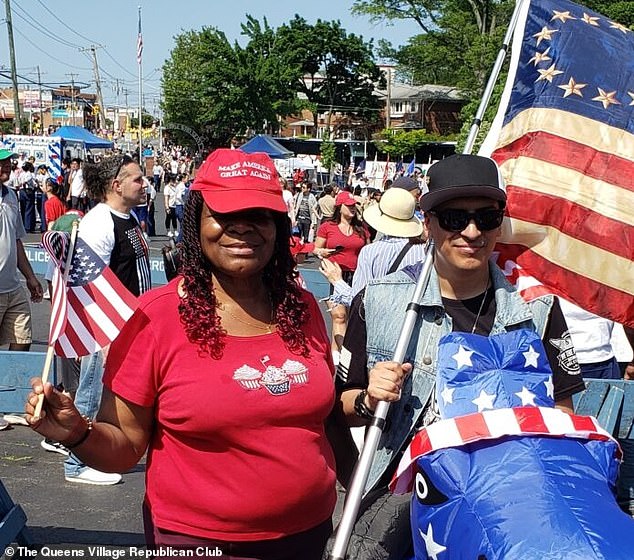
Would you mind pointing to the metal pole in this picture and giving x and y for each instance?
(388, 109)
(39, 83)
(488, 90)
(139, 60)
(17, 119)
(375, 429)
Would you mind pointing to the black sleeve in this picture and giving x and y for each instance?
(561, 355)
(352, 371)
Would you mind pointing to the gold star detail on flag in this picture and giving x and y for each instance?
(540, 57)
(607, 98)
(572, 87)
(548, 74)
(590, 20)
(619, 26)
(545, 34)
(631, 94)
(561, 16)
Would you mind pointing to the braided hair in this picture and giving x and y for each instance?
(198, 308)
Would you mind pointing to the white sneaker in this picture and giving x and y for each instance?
(89, 475)
(54, 447)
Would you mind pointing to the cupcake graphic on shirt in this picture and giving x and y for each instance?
(296, 371)
(276, 381)
(248, 377)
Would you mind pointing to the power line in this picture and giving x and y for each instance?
(63, 23)
(42, 28)
(65, 63)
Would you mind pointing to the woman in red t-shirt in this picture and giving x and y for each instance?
(341, 239)
(53, 207)
(225, 376)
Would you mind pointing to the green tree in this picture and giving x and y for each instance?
(337, 69)
(459, 39)
(221, 89)
(401, 143)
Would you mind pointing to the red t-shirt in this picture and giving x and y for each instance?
(53, 209)
(238, 450)
(352, 244)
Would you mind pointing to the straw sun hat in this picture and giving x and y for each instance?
(394, 214)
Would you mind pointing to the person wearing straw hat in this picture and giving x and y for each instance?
(400, 245)
(15, 312)
(466, 292)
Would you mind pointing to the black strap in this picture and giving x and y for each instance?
(5, 191)
(400, 257)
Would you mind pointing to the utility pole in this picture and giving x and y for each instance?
(127, 110)
(101, 115)
(72, 95)
(39, 85)
(117, 90)
(14, 76)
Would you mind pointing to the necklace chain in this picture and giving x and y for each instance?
(484, 296)
(268, 328)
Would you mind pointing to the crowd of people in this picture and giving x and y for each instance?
(227, 376)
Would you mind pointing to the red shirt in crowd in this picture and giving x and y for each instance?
(352, 244)
(53, 209)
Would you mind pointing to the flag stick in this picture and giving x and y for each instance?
(493, 78)
(50, 351)
(375, 429)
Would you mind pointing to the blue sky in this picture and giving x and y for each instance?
(42, 39)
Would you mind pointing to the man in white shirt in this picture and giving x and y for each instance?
(77, 191)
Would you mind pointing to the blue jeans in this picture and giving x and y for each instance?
(179, 217)
(87, 400)
(609, 369)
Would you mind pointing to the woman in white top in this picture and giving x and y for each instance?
(179, 201)
(170, 206)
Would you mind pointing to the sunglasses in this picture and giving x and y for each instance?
(125, 160)
(453, 219)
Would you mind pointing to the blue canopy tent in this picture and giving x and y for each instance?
(79, 134)
(266, 144)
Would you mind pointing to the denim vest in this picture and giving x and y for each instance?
(386, 301)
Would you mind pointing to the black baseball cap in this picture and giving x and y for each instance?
(463, 175)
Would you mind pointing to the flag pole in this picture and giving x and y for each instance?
(50, 351)
(497, 67)
(139, 59)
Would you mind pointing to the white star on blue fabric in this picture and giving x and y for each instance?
(550, 388)
(484, 401)
(463, 357)
(433, 548)
(526, 397)
(447, 395)
(530, 357)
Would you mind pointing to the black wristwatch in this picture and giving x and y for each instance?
(360, 407)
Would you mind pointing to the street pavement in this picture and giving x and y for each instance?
(68, 515)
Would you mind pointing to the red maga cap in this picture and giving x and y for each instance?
(232, 180)
(344, 197)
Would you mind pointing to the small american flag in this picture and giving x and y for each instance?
(139, 43)
(89, 309)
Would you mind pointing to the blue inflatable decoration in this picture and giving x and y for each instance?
(503, 474)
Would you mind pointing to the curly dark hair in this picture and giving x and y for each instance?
(99, 176)
(198, 308)
(356, 222)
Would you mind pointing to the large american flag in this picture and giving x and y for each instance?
(564, 140)
(90, 309)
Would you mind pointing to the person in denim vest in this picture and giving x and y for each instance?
(464, 210)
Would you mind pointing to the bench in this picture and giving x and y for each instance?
(16, 370)
(611, 402)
